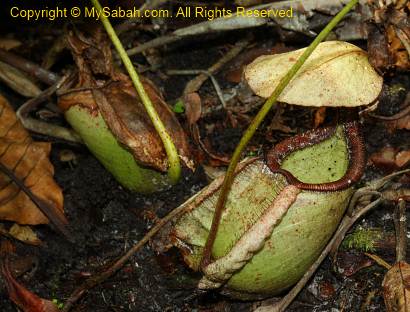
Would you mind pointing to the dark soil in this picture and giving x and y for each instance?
(107, 220)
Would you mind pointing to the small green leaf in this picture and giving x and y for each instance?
(179, 107)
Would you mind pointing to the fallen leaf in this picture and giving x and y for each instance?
(18, 81)
(29, 162)
(349, 263)
(326, 290)
(21, 296)
(389, 159)
(336, 74)
(193, 111)
(193, 107)
(402, 158)
(320, 115)
(24, 234)
(385, 159)
(9, 43)
(278, 122)
(396, 289)
(389, 37)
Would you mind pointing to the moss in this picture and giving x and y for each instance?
(362, 239)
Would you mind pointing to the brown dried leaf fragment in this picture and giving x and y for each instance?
(389, 158)
(29, 162)
(21, 296)
(24, 234)
(9, 43)
(389, 37)
(18, 81)
(396, 289)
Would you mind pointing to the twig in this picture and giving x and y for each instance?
(18, 81)
(39, 126)
(255, 124)
(378, 260)
(372, 186)
(196, 83)
(400, 224)
(58, 220)
(241, 22)
(29, 67)
(99, 278)
(405, 40)
(174, 170)
(202, 73)
(148, 5)
(154, 43)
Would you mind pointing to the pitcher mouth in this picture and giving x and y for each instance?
(355, 146)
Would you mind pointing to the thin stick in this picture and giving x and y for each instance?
(201, 73)
(42, 127)
(400, 224)
(255, 124)
(236, 22)
(378, 260)
(197, 82)
(174, 170)
(33, 69)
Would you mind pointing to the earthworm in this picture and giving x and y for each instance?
(357, 157)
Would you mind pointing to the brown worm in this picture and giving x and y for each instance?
(357, 157)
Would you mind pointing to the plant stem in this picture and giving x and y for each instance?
(206, 259)
(174, 170)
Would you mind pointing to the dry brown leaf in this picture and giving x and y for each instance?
(278, 122)
(336, 74)
(384, 159)
(390, 158)
(18, 81)
(24, 234)
(402, 158)
(396, 289)
(389, 37)
(9, 43)
(21, 296)
(320, 116)
(377, 48)
(193, 107)
(29, 162)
